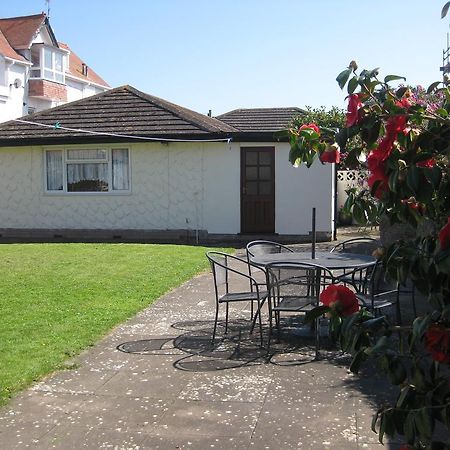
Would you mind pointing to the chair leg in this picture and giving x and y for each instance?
(260, 323)
(226, 319)
(215, 324)
(269, 335)
(317, 338)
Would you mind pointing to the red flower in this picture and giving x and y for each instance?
(385, 146)
(341, 298)
(437, 341)
(310, 126)
(395, 124)
(354, 104)
(332, 154)
(427, 164)
(404, 103)
(413, 204)
(377, 167)
(444, 235)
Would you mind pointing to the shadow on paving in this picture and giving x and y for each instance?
(197, 353)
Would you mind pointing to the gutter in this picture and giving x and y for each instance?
(17, 61)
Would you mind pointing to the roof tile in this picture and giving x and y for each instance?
(20, 31)
(76, 68)
(260, 119)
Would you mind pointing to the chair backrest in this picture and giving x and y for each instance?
(227, 268)
(362, 245)
(377, 280)
(258, 248)
(302, 278)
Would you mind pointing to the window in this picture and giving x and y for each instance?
(87, 170)
(48, 63)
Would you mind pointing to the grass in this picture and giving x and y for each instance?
(58, 299)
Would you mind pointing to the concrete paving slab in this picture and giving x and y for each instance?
(202, 418)
(73, 437)
(145, 383)
(194, 443)
(79, 381)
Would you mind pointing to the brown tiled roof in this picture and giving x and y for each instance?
(76, 68)
(20, 31)
(260, 119)
(7, 50)
(123, 110)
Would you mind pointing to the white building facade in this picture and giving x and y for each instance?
(38, 72)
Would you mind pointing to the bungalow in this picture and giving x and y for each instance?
(128, 166)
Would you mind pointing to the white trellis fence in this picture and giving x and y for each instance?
(349, 179)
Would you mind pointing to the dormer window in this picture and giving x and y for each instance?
(48, 63)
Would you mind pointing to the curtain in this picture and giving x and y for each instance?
(54, 170)
(120, 164)
(87, 177)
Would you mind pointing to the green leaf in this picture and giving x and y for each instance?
(397, 372)
(413, 179)
(410, 427)
(442, 112)
(389, 78)
(343, 77)
(392, 181)
(381, 344)
(400, 92)
(374, 421)
(315, 313)
(374, 325)
(433, 86)
(444, 265)
(424, 423)
(433, 175)
(352, 85)
(445, 10)
(406, 392)
(358, 359)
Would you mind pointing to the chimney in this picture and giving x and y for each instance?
(84, 69)
(210, 113)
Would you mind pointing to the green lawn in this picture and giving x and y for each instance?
(57, 299)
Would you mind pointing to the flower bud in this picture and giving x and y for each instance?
(378, 253)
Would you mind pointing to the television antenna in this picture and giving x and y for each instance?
(47, 3)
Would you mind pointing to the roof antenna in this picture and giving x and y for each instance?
(48, 8)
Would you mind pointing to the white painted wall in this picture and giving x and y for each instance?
(12, 98)
(298, 190)
(174, 186)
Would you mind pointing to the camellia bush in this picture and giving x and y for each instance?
(404, 143)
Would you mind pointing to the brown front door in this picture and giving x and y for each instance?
(257, 189)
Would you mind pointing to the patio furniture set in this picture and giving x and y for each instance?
(290, 282)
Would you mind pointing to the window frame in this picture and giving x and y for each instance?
(42, 69)
(66, 161)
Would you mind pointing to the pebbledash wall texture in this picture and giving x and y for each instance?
(176, 186)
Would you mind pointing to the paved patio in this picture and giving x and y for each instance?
(157, 383)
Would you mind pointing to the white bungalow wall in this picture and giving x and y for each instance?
(174, 186)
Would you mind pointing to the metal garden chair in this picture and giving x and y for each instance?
(231, 278)
(295, 288)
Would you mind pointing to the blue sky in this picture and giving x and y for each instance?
(228, 54)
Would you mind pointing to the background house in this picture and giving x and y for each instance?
(37, 71)
(129, 166)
